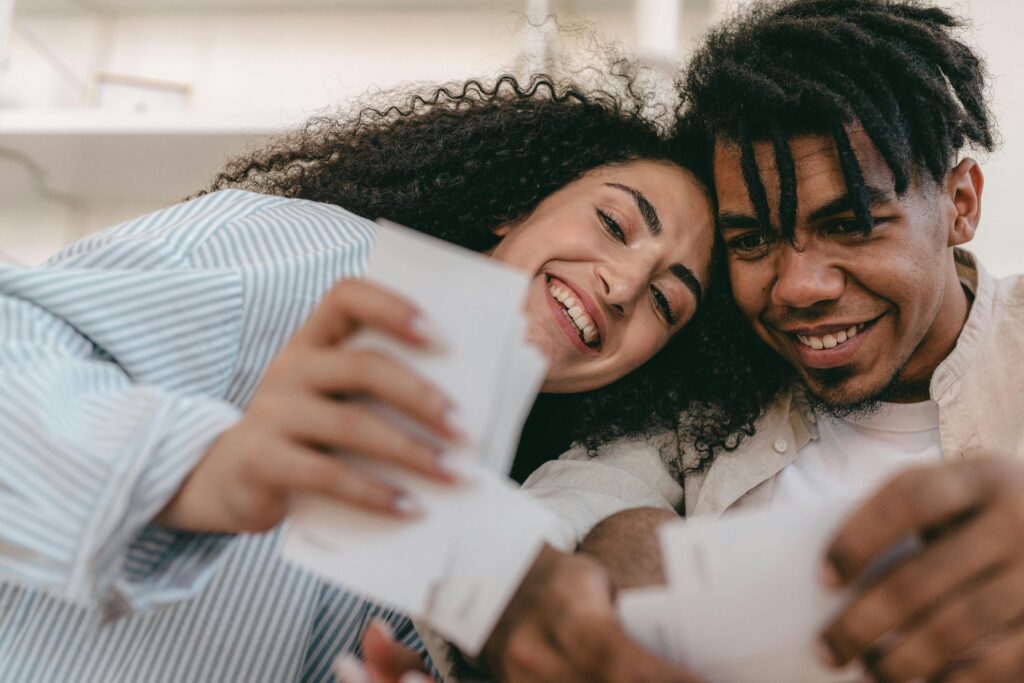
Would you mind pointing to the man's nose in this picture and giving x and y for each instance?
(804, 278)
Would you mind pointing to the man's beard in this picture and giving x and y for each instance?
(839, 407)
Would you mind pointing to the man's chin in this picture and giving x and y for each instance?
(840, 393)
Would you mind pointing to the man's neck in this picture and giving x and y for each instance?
(938, 343)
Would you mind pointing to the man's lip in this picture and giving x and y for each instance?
(822, 330)
(589, 305)
(837, 356)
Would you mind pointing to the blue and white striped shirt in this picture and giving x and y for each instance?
(121, 360)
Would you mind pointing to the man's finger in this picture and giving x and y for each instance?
(630, 662)
(917, 583)
(914, 501)
(1002, 661)
(531, 657)
(952, 629)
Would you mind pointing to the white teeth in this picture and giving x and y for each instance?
(575, 312)
(830, 341)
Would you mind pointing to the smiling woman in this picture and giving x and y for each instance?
(575, 184)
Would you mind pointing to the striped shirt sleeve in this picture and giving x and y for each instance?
(122, 359)
(113, 362)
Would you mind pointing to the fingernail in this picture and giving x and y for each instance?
(453, 466)
(826, 654)
(348, 669)
(426, 331)
(414, 677)
(382, 626)
(453, 422)
(408, 506)
(829, 575)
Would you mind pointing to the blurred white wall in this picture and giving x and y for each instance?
(67, 169)
(253, 67)
(996, 31)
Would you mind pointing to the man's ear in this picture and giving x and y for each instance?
(502, 230)
(963, 186)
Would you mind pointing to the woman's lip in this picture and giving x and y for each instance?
(588, 303)
(567, 326)
(834, 357)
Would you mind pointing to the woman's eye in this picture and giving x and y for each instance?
(661, 301)
(612, 226)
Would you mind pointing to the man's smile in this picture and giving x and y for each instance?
(827, 345)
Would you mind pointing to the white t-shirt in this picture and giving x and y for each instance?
(855, 455)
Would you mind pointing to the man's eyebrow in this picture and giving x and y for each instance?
(647, 211)
(686, 276)
(729, 220)
(846, 202)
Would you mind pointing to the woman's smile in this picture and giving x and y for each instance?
(579, 318)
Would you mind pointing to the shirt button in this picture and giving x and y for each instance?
(780, 445)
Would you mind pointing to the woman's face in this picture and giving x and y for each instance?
(620, 259)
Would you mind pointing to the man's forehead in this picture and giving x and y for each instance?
(815, 159)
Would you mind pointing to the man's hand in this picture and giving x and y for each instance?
(561, 626)
(955, 608)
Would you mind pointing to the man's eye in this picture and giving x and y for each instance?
(848, 227)
(750, 242)
(612, 226)
(661, 301)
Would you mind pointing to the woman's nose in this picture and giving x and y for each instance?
(619, 288)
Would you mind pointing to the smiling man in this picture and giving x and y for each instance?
(837, 133)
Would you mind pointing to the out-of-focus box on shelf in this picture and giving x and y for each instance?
(124, 92)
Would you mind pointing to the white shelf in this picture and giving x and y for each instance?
(91, 155)
(106, 6)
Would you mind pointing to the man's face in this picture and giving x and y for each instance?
(856, 315)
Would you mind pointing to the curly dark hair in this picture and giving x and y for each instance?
(461, 160)
(818, 66)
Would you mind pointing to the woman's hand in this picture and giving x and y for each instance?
(386, 660)
(309, 403)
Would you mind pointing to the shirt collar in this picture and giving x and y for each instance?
(977, 280)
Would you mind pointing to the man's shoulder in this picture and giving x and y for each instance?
(1010, 292)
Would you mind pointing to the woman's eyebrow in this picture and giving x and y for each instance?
(686, 276)
(647, 211)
